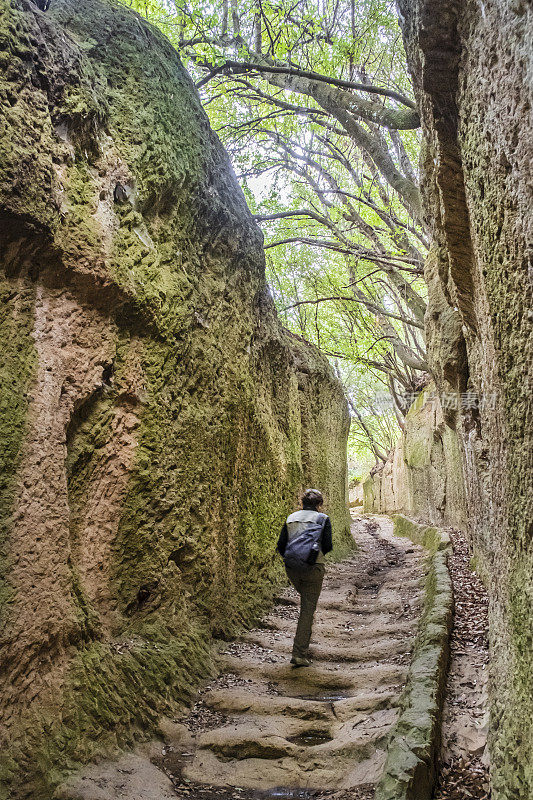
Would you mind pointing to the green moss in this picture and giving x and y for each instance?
(420, 400)
(230, 429)
(17, 364)
(26, 131)
(431, 538)
(165, 166)
(80, 234)
(113, 694)
(515, 778)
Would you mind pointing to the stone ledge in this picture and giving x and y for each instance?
(409, 771)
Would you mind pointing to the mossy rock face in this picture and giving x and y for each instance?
(424, 476)
(477, 131)
(429, 537)
(158, 422)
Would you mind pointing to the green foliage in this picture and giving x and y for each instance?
(356, 240)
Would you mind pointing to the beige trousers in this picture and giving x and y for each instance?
(308, 584)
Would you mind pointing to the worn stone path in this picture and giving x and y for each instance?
(263, 725)
(263, 729)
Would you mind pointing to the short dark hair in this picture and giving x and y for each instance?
(312, 498)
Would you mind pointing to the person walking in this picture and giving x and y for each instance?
(304, 540)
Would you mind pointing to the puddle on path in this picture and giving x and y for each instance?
(310, 738)
(285, 793)
(323, 697)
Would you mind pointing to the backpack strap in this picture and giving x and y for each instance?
(322, 523)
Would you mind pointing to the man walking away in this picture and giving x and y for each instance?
(304, 539)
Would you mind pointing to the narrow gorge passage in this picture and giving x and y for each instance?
(264, 729)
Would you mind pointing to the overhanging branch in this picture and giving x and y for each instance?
(239, 67)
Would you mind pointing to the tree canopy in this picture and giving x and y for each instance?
(313, 102)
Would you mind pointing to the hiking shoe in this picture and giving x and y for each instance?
(300, 662)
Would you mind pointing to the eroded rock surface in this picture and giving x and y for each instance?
(424, 477)
(156, 421)
(472, 69)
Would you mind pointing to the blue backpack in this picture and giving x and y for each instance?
(302, 550)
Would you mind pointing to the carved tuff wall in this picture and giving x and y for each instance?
(424, 477)
(156, 422)
(472, 67)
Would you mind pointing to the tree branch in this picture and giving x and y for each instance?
(238, 67)
(380, 455)
(283, 214)
(318, 300)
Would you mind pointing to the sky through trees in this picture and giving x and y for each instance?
(313, 102)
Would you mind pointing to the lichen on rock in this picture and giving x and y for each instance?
(471, 66)
(159, 422)
(424, 477)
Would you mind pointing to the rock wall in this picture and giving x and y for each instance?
(156, 422)
(424, 477)
(472, 68)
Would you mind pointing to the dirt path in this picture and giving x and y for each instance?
(265, 729)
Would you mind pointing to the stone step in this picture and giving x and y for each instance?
(319, 706)
(325, 675)
(380, 648)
